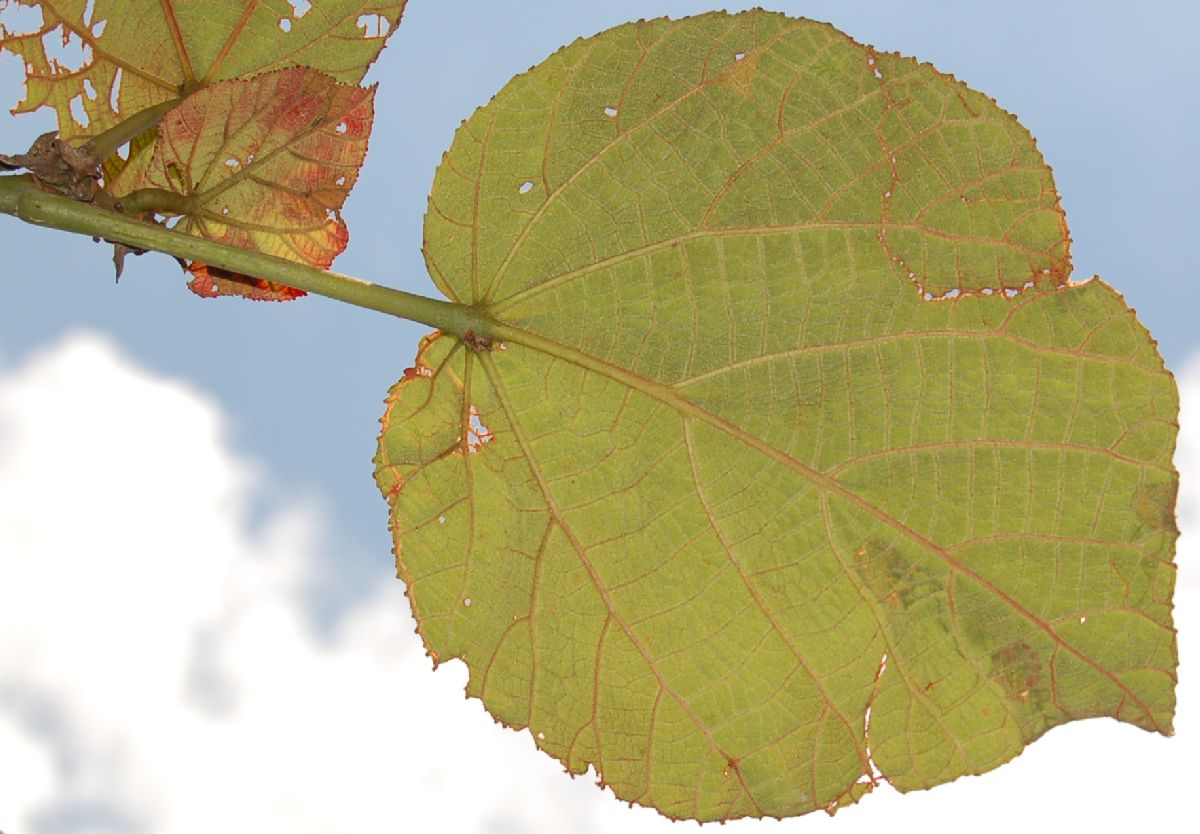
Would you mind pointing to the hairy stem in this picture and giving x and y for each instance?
(20, 197)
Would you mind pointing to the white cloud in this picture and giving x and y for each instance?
(158, 671)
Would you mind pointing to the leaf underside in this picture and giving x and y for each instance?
(801, 463)
(265, 163)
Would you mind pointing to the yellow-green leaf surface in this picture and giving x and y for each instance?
(140, 53)
(264, 163)
(794, 460)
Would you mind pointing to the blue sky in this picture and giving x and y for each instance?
(1108, 89)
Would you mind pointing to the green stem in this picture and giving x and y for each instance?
(20, 197)
(108, 142)
(158, 200)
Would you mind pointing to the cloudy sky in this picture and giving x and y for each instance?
(198, 625)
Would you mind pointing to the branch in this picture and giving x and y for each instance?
(20, 197)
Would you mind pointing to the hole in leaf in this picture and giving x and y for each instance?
(285, 24)
(114, 95)
(99, 28)
(739, 56)
(231, 163)
(541, 736)
(89, 89)
(374, 25)
(441, 519)
(342, 127)
(478, 435)
(340, 180)
(467, 602)
(526, 187)
(79, 112)
(300, 7)
(1082, 620)
(88, 11)
(65, 52)
(225, 210)
(22, 20)
(611, 112)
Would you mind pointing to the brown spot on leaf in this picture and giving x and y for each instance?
(477, 342)
(890, 576)
(741, 73)
(1154, 505)
(1018, 669)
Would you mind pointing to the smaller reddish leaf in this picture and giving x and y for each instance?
(212, 281)
(264, 163)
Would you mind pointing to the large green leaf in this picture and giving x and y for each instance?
(793, 460)
(141, 53)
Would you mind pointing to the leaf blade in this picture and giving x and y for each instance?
(264, 164)
(775, 493)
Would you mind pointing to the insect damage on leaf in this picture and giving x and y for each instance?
(809, 467)
(477, 342)
(135, 54)
(1018, 668)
